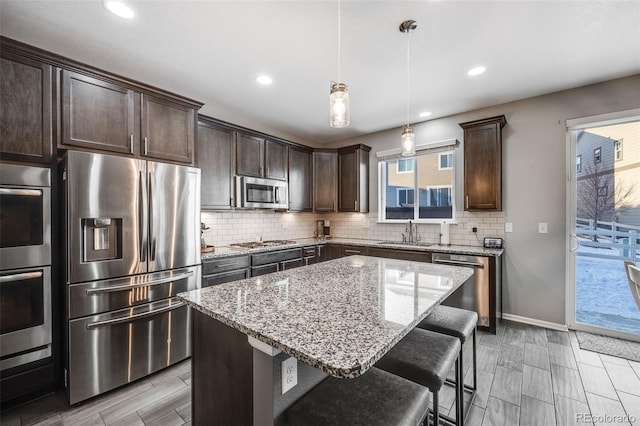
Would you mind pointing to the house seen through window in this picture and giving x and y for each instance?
(419, 188)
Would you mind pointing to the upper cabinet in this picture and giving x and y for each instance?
(168, 130)
(99, 115)
(214, 156)
(353, 178)
(259, 157)
(325, 182)
(26, 124)
(104, 115)
(483, 163)
(300, 175)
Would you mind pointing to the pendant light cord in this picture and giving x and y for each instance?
(339, 55)
(408, 77)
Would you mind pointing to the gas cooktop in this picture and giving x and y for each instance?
(267, 243)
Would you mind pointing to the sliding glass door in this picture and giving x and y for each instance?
(603, 223)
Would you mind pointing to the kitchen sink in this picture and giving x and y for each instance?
(401, 243)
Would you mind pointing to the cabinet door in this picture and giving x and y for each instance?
(168, 130)
(348, 182)
(249, 155)
(324, 181)
(417, 256)
(300, 179)
(276, 160)
(26, 126)
(98, 115)
(214, 156)
(483, 164)
(264, 269)
(225, 277)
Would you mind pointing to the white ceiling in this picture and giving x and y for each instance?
(213, 50)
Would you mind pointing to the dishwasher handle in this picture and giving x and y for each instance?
(459, 263)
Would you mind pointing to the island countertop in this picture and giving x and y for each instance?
(339, 316)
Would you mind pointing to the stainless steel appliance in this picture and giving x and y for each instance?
(25, 217)
(25, 259)
(261, 193)
(132, 244)
(479, 293)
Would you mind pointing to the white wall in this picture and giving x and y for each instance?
(534, 183)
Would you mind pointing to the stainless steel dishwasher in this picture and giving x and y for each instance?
(480, 292)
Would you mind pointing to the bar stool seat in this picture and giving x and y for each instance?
(424, 357)
(459, 323)
(375, 398)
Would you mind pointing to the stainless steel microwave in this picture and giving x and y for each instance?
(257, 193)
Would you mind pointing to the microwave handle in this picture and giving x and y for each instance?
(276, 194)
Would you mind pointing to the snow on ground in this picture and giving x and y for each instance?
(603, 297)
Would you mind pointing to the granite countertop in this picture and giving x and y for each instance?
(222, 252)
(339, 316)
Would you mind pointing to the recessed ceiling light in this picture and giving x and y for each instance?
(264, 79)
(119, 8)
(424, 114)
(476, 71)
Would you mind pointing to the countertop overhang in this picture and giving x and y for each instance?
(339, 316)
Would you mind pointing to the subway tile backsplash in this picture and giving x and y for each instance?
(247, 225)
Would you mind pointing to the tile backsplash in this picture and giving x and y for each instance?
(247, 225)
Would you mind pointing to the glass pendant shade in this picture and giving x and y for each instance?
(339, 105)
(408, 141)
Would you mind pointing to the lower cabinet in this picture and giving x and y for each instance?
(274, 261)
(339, 250)
(224, 270)
(416, 256)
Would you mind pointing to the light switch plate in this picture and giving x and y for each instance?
(508, 227)
(543, 228)
(289, 374)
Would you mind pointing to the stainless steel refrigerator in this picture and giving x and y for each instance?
(132, 243)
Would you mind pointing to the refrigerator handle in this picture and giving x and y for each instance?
(142, 219)
(152, 235)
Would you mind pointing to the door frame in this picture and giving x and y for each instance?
(572, 126)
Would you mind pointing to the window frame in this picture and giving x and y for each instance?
(617, 149)
(406, 163)
(445, 154)
(579, 163)
(406, 190)
(382, 180)
(597, 155)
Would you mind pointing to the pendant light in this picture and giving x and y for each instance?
(339, 96)
(408, 138)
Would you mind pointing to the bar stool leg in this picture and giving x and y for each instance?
(436, 409)
(475, 366)
(460, 389)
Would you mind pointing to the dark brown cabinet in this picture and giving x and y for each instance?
(300, 179)
(26, 125)
(98, 114)
(416, 256)
(340, 250)
(274, 261)
(215, 159)
(325, 182)
(483, 163)
(223, 270)
(260, 157)
(353, 179)
(168, 130)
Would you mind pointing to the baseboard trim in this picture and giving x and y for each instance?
(533, 321)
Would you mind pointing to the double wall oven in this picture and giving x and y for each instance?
(25, 265)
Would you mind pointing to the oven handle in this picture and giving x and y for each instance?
(20, 277)
(93, 291)
(459, 263)
(135, 317)
(27, 192)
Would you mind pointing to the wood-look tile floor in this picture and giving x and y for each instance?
(526, 376)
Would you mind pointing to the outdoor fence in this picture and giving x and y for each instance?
(620, 239)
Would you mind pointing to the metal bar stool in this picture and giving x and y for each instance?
(461, 324)
(375, 398)
(425, 357)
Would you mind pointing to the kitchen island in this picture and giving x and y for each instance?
(336, 318)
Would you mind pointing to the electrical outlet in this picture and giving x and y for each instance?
(474, 229)
(508, 227)
(543, 228)
(289, 374)
(472, 226)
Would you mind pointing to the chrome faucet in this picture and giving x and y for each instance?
(411, 236)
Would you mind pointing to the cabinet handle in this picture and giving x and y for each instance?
(352, 251)
(467, 201)
(355, 205)
(223, 265)
(146, 142)
(261, 171)
(131, 144)
(268, 171)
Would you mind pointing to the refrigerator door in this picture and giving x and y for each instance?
(174, 216)
(105, 200)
